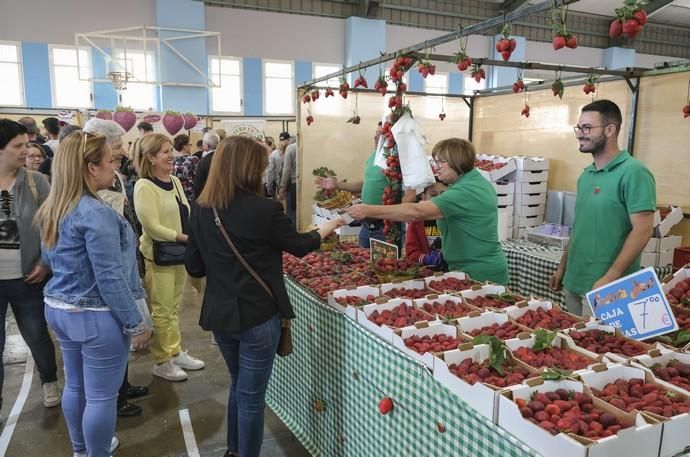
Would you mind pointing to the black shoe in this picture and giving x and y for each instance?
(230, 454)
(137, 391)
(128, 410)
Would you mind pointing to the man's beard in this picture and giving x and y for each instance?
(594, 147)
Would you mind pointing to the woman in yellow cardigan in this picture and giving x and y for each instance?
(163, 211)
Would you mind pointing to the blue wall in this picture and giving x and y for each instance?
(364, 38)
(36, 68)
(104, 95)
(253, 95)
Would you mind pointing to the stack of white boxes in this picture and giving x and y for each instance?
(495, 169)
(529, 203)
(659, 249)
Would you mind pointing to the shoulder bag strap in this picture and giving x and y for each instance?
(251, 271)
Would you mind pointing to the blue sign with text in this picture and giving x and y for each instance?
(635, 305)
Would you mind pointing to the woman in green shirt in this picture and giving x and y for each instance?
(467, 214)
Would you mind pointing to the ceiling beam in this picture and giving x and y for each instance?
(511, 5)
(656, 5)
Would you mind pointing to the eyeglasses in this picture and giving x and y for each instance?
(436, 163)
(586, 129)
(35, 157)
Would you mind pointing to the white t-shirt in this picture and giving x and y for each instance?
(10, 256)
(53, 145)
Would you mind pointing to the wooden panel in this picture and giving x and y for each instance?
(330, 141)
(500, 129)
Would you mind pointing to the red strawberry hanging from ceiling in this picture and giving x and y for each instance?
(561, 37)
(426, 68)
(125, 117)
(190, 121)
(478, 72)
(329, 92)
(557, 87)
(519, 84)
(400, 66)
(590, 86)
(315, 94)
(306, 98)
(361, 81)
(462, 58)
(173, 122)
(506, 45)
(381, 86)
(343, 88)
(630, 19)
(686, 108)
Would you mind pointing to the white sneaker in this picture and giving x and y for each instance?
(114, 443)
(51, 394)
(169, 371)
(186, 361)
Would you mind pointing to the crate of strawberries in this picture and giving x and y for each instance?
(606, 340)
(558, 418)
(344, 300)
(385, 316)
(632, 389)
(445, 306)
(542, 314)
(545, 350)
(491, 296)
(672, 369)
(389, 270)
(677, 288)
(451, 282)
(422, 341)
(413, 289)
(490, 323)
(478, 372)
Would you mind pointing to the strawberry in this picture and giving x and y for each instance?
(386, 405)
(478, 72)
(306, 99)
(309, 120)
(315, 95)
(525, 111)
(616, 28)
(441, 428)
(558, 42)
(640, 16)
(686, 111)
(442, 116)
(344, 87)
(329, 92)
(125, 117)
(190, 121)
(465, 63)
(104, 114)
(360, 81)
(557, 88)
(631, 28)
(513, 44)
(505, 55)
(402, 87)
(173, 122)
(571, 42)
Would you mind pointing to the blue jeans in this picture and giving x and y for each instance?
(94, 351)
(365, 235)
(249, 356)
(27, 306)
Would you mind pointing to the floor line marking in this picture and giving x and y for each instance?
(188, 433)
(17, 407)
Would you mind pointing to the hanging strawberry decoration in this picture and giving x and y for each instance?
(686, 108)
(557, 87)
(561, 37)
(630, 19)
(425, 67)
(355, 119)
(590, 86)
(519, 85)
(306, 98)
(462, 59)
(478, 72)
(400, 67)
(525, 109)
(506, 45)
(381, 86)
(361, 81)
(344, 87)
(315, 94)
(329, 92)
(309, 119)
(442, 114)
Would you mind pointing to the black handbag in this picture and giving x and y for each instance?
(168, 253)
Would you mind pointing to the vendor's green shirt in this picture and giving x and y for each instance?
(374, 182)
(469, 229)
(605, 200)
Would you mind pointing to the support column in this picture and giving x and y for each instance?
(364, 38)
(183, 14)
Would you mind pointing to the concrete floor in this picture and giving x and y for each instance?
(158, 432)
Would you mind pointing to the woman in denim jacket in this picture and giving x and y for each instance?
(91, 300)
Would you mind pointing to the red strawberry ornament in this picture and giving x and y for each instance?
(172, 122)
(125, 117)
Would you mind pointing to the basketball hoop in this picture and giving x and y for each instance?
(119, 79)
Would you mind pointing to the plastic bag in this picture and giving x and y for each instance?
(414, 163)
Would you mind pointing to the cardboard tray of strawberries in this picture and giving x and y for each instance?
(490, 323)
(452, 282)
(423, 340)
(445, 306)
(387, 315)
(595, 338)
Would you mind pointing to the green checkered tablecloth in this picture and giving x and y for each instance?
(530, 265)
(337, 362)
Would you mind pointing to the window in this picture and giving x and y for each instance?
(325, 69)
(71, 77)
(435, 84)
(279, 88)
(139, 94)
(227, 73)
(11, 87)
(470, 85)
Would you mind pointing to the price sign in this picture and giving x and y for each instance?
(634, 304)
(381, 250)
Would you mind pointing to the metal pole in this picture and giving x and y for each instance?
(470, 131)
(633, 116)
(476, 28)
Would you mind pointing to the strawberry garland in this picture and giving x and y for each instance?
(590, 86)
(462, 59)
(308, 99)
(507, 44)
(686, 108)
(630, 19)
(392, 193)
(557, 87)
(561, 37)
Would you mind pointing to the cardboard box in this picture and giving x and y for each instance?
(669, 243)
(478, 320)
(482, 291)
(662, 227)
(531, 176)
(670, 281)
(361, 291)
(641, 439)
(531, 210)
(528, 221)
(416, 284)
(531, 163)
(529, 199)
(451, 274)
(443, 298)
(482, 397)
(649, 259)
(662, 357)
(652, 245)
(528, 339)
(594, 325)
(515, 312)
(665, 258)
(423, 329)
(675, 437)
(530, 187)
(496, 175)
(384, 332)
(504, 187)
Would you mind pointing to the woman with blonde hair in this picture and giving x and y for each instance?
(163, 211)
(94, 313)
(467, 214)
(244, 308)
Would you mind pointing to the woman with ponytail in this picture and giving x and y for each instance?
(91, 300)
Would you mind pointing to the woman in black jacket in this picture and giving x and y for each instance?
(244, 317)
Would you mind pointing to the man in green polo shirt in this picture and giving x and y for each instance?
(614, 210)
(466, 213)
(371, 187)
